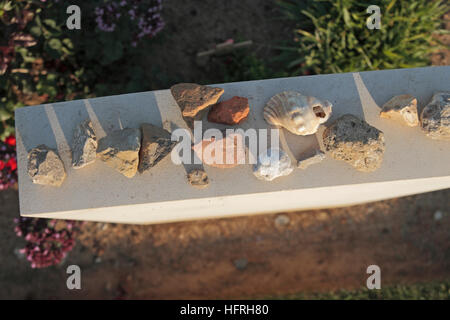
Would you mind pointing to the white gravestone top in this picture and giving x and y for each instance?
(412, 162)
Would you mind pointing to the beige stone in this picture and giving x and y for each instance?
(402, 108)
(120, 150)
(45, 166)
(198, 178)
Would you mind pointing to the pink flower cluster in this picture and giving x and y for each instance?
(8, 163)
(47, 242)
(145, 14)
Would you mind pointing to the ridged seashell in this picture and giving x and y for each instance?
(301, 115)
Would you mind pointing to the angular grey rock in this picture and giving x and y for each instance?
(272, 163)
(45, 166)
(84, 145)
(356, 142)
(318, 156)
(435, 117)
(198, 178)
(120, 150)
(156, 145)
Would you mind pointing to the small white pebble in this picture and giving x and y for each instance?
(282, 220)
(438, 215)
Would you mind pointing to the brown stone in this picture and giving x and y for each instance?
(232, 111)
(198, 178)
(194, 98)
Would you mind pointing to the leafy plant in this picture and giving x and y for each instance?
(332, 35)
(42, 61)
(38, 61)
(435, 290)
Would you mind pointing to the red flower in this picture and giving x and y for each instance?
(11, 141)
(2, 165)
(12, 164)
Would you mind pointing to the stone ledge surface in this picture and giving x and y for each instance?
(412, 163)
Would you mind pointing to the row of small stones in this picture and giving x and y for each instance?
(349, 138)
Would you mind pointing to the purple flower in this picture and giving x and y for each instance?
(144, 17)
(46, 245)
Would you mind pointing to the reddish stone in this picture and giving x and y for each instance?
(232, 111)
(233, 151)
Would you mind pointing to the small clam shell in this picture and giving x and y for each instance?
(301, 115)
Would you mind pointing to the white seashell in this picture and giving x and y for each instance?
(301, 115)
(272, 163)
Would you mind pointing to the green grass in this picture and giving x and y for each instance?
(422, 291)
(331, 36)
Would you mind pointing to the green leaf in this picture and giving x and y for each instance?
(36, 31)
(4, 115)
(55, 44)
(7, 6)
(51, 23)
(68, 43)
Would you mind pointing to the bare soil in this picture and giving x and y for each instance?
(243, 257)
(196, 26)
(310, 251)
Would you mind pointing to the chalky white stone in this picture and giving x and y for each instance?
(318, 156)
(272, 163)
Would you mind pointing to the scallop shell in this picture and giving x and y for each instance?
(301, 115)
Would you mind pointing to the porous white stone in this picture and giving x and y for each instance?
(356, 142)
